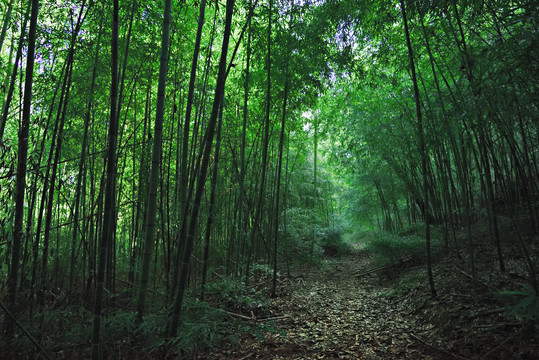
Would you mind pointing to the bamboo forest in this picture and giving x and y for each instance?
(269, 179)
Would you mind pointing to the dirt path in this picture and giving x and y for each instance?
(330, 313)
(337, 316)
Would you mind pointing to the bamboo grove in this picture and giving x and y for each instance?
(439, 124)
(131, 166)
(149, 149)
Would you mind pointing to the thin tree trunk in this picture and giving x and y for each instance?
(211, 210)
(126, 53)
(278, 192)
(84, 151)
(108, 221)
(156, 160)
(7, 17)
(185, 145)
(50, 202)
(44, 193)
(448, 131)
(208, 139)
(62, 108)
(315, 172)
(20, 183)
(18, 56)
(487, 184)
(239, 228)
(259, 206)
(142, 195)
(422, 149)
(34, 193)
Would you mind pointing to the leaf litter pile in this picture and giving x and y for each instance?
(349, 309)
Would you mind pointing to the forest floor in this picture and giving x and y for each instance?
(344, 310)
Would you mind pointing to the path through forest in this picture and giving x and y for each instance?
(342, 309)
(330, 313)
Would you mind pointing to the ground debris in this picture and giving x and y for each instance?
(330, 313)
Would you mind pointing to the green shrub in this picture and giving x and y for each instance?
(236, 295)
(206, 327)
(300, 249)
(333, 243)
(307, 238)
(524, 304)
(408, 281)
(416, 229)
(387, 247)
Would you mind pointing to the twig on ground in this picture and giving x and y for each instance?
(487, 313)
(32, 339)
(472, 278)
(135, 285)
(358, 274)
(501, 344)
(200, 262)
(437, 348)
(239, 315)
(273, 318)
(396, 263)
(495, 326)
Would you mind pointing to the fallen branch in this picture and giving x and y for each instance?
(135, 285)
(437, 348)
(70, 347)
(487, 313)
(253, 318)
(473, 278)
(415, 267)
(273, 318)
(239, 315)
(371, 271)
(496, 326)
(380, 268)
(501, 344)
(32, 339)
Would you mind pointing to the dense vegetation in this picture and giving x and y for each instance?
(163, 162)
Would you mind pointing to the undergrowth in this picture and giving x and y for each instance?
(233, 293)
(387, 248)
(333, 243)
(311, 246)
(523, 304)
(65, 331)
(405, 283)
